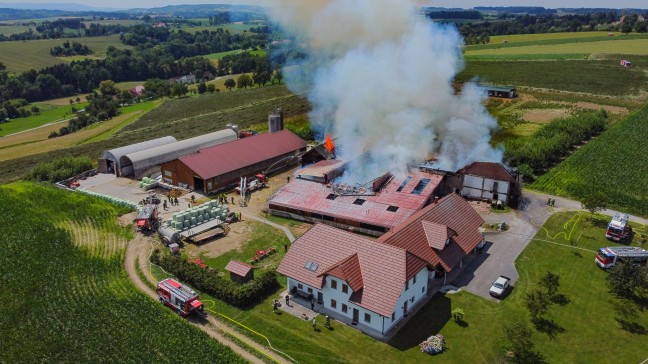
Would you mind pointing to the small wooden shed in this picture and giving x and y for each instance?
(239, 271)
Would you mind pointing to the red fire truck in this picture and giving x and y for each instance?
(608, 257)
(179, 297)
(618, 229)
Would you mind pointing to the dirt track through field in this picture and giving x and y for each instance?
(138, 252)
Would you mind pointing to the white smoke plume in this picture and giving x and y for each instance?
(381, 85)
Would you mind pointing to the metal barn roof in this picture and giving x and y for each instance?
(228, 157)
(115, 154)
(136, 162)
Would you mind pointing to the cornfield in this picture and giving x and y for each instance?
(65, 295)
(614, 163)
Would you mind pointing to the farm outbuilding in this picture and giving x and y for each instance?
(240, 272)
(507, 92)
(148, 161)
(221, 166)
(109, 161)
(488, 180)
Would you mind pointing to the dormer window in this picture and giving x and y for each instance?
(448, 241)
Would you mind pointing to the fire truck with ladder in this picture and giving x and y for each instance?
(179, 297)
(618, 229)
(609, 257)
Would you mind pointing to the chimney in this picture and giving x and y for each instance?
(436, 200)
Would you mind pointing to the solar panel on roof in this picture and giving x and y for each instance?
(402, 185)
(418, 189)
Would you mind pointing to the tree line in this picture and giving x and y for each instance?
(507, 24)
(67, 50)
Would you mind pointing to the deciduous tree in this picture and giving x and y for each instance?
(594, 202)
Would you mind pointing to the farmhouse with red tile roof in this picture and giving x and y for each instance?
(374, 284)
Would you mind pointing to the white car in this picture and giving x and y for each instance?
(500, 286)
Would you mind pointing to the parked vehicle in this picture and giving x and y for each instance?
(618, 229)
(500, 286)
(609, 257)
(147, 219)
(252, 184)
(179, 297)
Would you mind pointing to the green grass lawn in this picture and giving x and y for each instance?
(220, 55)
(613, 163)
(592, 329)
(47, 115)
(21, 56)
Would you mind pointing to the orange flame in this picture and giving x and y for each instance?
(329, 144)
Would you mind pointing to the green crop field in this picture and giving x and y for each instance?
(48, 114)
(602, 77)
(126, 22)
(627, 47)
(8, 30)
(565, 245)
(614, 163)
(514, 38)
(220, 55)
(65, 295)
(21, 56)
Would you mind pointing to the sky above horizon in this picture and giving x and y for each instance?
(441, 3)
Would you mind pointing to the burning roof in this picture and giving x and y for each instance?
(392, 204)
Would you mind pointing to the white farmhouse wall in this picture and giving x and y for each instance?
(479, 187)
(294, 283)
(416, 290)
(473, 181)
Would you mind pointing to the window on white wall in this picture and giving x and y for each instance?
(344, 308)
(300, 286)
(412, 299)
(367, 318)
(333, 284)
(393, 316)
(423, 289)
(333, 304)
(310, 290)
(406, 285)
(414, 280)
(345, 288)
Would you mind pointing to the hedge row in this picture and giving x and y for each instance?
(208, 281)
(552, 142)
(60, 169)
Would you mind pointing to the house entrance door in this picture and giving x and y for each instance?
(356, 315)
(405, 309)
(320, 298)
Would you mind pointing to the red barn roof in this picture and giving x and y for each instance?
(418, 237)
(490, 170)
(388, 208)
(231, 156)
(239, 268)
(375, 272)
